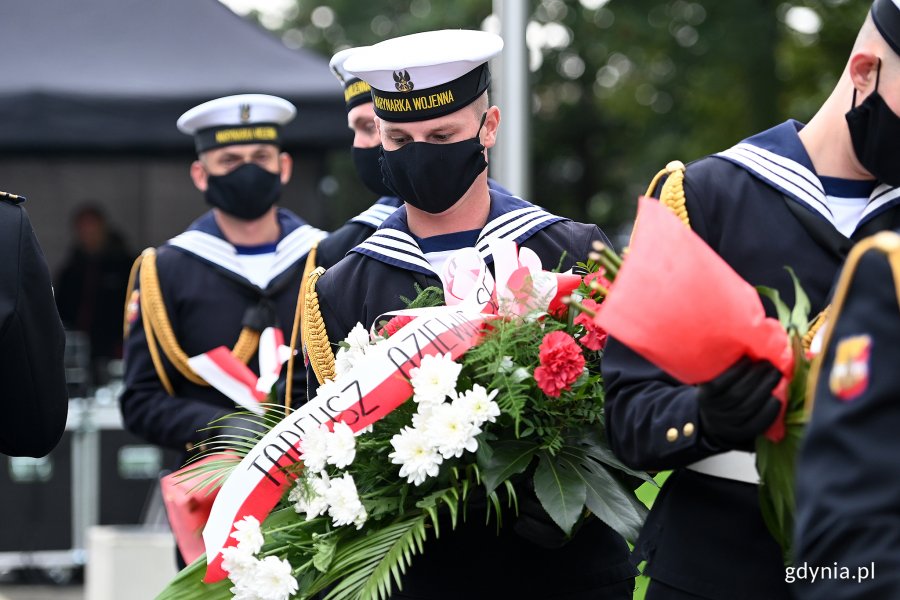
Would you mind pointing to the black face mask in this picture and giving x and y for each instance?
(875, 132)
(246, 193)
(433, 177)
(368, 166)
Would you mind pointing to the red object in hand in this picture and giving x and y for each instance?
(188, 509)
(562, 363)
(682, 307)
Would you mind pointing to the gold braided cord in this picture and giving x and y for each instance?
(307, 269)
(154, 353)
(129, 289)
(314, 336)
(672, 193)
(814, 328)
(154, 308)
(886, 242)
(246, 345)
(157, 324)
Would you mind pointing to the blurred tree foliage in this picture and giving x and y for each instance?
(620, 87)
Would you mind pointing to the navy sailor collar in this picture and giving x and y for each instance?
(204, 239)
(509, 218)
(375, 215)
(777, 157)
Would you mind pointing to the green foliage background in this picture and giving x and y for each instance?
(628, 85)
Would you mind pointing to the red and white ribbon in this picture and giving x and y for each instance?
(222, 370)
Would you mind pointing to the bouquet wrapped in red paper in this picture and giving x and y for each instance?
(682, 307)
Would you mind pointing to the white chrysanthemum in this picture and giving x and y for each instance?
(435, 378)
(358, 339)
(423, 413)
(341, 446)
(507, 364)
(451, 430)
(272, 579)
(417, 458)
(345, 360)
(249, 537)
(329, 389)
(245, 590)
(308, 495)
(314, 448)
(344, 506)
(479, 404)
(238, 563)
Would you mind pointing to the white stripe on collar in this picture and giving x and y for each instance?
(399, 246)
(783, 173)
(798, 181)
(375, 215)
(288, 251)
(882, 195)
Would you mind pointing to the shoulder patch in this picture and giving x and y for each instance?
(133, 307)
(850, 372)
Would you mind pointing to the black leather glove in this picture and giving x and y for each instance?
(738, 405)
(533, 522)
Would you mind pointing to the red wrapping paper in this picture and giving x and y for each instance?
(188, 509)
(682, 307)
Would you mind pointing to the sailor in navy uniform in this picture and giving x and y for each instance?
(366, 152)
(235, 271)
(848, 476)
(792, 195)
(32, 341)
(435, 123)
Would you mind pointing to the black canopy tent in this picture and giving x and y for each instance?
(90, 91)
(114, 75)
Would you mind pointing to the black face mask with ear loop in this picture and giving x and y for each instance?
(875, 133)
(247, 192)
(368, 167)
(433, 177)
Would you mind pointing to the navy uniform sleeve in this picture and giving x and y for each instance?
(148, 410)
(652, 419)
(339, 242)
(848, 473)
(32, 344)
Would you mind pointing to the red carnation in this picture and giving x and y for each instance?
(394, 325)
(599, 276)
(561, 363)
(594, 337)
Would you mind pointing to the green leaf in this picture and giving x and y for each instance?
(607, 497)
(784, 313)
(324, 548)
(595, 446)
(188, 585)
(506, 459)
(799, 320)
(561, 491)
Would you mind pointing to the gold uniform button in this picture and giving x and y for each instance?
(672, 434)
(688, 429)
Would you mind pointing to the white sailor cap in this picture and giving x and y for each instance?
(886, 16)
(241, 119)
(356, 91)
(426, 75)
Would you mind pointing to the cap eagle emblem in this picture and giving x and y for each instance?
(403, 84)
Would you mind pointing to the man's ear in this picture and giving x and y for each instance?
(863, 70)
(490, 128)
(199, 176)
(287, 167)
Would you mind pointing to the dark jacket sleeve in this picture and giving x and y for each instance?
(652, 419)
(32, 344)
(148, 410)
(848, 480)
